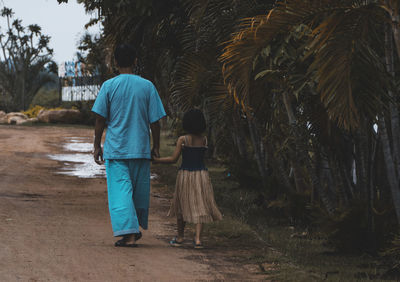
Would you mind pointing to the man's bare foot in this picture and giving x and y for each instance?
(130, 239)
(138, 236)
(126, 241)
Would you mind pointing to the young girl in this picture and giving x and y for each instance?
(194, 197)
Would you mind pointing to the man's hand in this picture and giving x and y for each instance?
(98, 133)
(155, 152)
(98, 156)
(155, 132)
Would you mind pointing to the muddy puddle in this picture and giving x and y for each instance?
(78, 160)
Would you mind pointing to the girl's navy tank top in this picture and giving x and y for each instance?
(193, 157)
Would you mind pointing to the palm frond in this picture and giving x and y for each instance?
(189, 81)
(195, 82)
(334, 39)
(343, 57)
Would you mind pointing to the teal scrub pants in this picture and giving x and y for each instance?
(128, 185)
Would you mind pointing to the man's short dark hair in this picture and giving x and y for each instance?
(125, 55)
(194, 122)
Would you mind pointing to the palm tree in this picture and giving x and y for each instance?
(342, 46)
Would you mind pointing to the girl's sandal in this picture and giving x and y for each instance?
(197, 246)
(174, 242)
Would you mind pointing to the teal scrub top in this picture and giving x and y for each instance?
(129, 104)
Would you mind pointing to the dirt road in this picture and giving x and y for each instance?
(56, 227)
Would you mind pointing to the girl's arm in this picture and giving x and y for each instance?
(175, 156)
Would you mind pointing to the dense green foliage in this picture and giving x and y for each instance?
(47, 97)
(301, 98)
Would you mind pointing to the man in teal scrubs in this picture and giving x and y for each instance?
(130, 106)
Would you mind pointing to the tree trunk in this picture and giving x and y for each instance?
(23, 91)
(361, 163)
(394, 15)
(394, 111)
(298, 174)
(338, 182)
(391, 155)
(238, 136)
(259, 153)
(348, 182)
(390, 168)
(284, 176)
(371, 192)
(321, 189)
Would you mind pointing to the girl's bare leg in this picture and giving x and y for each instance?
(199, 226)
(181, 229)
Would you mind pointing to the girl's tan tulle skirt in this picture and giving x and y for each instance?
(194, 198)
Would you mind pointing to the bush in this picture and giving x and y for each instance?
(33, 111)
(47, 98)
(353, 230)
(244, 171)
(392, 255)
(85, 107)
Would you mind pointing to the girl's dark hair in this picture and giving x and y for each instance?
(194, 122)
(125, 55)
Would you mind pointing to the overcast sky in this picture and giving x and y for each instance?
(64, 23)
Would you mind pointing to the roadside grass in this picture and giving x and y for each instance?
(281, 251)
(310, 255)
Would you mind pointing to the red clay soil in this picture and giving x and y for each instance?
(56, 227)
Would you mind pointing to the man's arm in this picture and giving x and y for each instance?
(155, 133)
(98, 133)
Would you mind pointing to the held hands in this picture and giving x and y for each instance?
(98, 155)
(155, 154)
